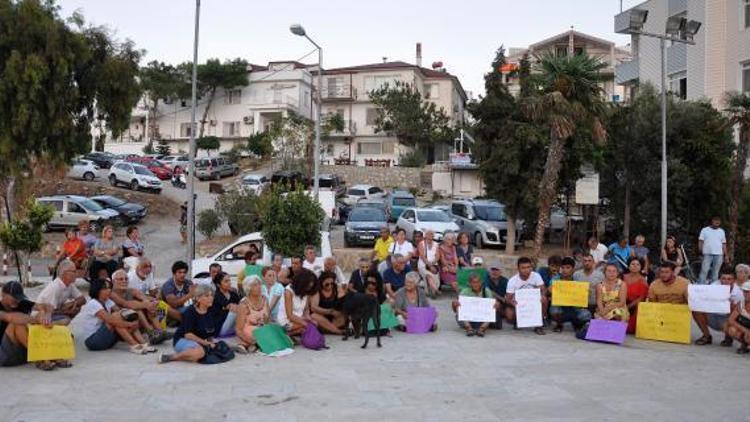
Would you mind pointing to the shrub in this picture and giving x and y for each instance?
(414, 158)
(208, 143)
(241, 210)
(163, 147)
(260, 144)
(291, 221)
(208, 222)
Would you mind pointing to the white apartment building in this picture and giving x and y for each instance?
(345, 91)
(565, 44)
(278, 88)
(718, 62)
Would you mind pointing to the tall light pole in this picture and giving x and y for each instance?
(297, 29)
(191, 155)
(678, 30)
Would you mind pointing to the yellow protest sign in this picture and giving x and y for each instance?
(50, 343)
(664, 322)
(570, 293)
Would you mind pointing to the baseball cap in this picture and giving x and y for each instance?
(477, 260)
(15, 289)
(495, 265)
(745, 286)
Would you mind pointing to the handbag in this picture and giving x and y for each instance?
(312, 338)
(220, 353)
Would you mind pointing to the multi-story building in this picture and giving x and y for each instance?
(569, 43)
(345, 91)
(718, 62)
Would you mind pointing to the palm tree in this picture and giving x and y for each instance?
(569, 99)
(738, 111)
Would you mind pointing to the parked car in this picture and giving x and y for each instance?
(441, 207)
(134, 176)
(215, 168)
(419, 220)
(72, 209)
(160, 170)
(232, 256)
(130, 212)
(254, 183)
(156, 157)
(378, 203)
(398, 201)
(357, 192)
(484, 220)
(363, 226)
(289, 178)
(101, 159)
(83, 169)
(175, 162)
(332, 182)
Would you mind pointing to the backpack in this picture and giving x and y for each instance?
(312, 338)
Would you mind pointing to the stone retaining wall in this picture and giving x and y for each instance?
(383, 177)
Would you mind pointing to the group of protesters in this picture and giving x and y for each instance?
(126, 304)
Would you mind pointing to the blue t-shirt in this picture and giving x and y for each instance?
(276, 290)
(396, 281)
(547, 276)
(617, 251)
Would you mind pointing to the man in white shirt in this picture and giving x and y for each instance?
(62, 295)
(712, 242)
(597, 251)
(310, 261)
(525, 279)
(141, 277)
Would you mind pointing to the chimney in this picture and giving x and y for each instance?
(419, 54)
(385, 59)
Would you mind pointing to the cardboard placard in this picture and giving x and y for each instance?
(570, 293)
(606, 331)
(663, 322)
(50, 343)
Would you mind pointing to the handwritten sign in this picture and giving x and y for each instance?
(476, 309)
(51, 343)
(712, 299)
(663, 322)
(420, 320)
(528, 308)
(463, 274)
(570, 293)
(606, 331)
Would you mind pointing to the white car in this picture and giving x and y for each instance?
(175, 161)
(414, 220)
(254, 183)
(357, 192)
(135, 176)
(232, 257)
(83, 169)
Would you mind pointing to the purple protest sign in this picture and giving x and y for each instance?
(420, 320)
(606, 331)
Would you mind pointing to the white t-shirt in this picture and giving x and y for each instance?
(312, 266)
(88, 323)
(145, 286)
(598, 253)
(404, 249)
(516, 283)
(57, 293)
(713, 240)
(298, 307)
(735, 295)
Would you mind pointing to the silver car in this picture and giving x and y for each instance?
(72, 209)
(484, 221)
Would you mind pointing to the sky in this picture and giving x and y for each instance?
(462, 34)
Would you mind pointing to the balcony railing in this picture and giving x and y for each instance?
(350, 129)
(340, 92)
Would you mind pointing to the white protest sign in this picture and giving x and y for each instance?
(528, 308)
(712, 299)
(476, 309)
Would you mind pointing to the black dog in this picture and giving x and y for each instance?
(359, 308)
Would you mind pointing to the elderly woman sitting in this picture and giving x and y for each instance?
(197, 329)
(410, 296)
(475, 289)
(252, 312)
(428, 265)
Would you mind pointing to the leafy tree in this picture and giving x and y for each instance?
(414, 121)
(241, 210)
(208, 143)
(334, 122)
(209, 222)
(25, 235)
(159, 82)
(291, 221)
(163, 148)
(213, 75)
(149, 147)
(566, 99)
(260, 144)
(738, 111)
(413, 158)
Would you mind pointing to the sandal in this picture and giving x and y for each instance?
(704, 341)
(727, 342)
(539, 331)
(63, 364)
(148, 349)
(137, 349)
(238, 348)
(46, 365)
(470, 333)
(480, 333)
(742, 350)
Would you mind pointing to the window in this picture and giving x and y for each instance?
(238, 251)
(231, 129)
(374, 190)
(431, 91)
(73, 207)
(57, 205)
(678, 85)
(388, 147)
(335, 87)
(408, 214)
(369, 148)
(746, 77)
(233, 96)
(371, 115)
(459, 210)
(561, 51)
(579, 51)
(185, 130)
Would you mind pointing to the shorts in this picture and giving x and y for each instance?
(576, 316)
(185, 344)
(717, 321)
(11, 354)
(102, 339)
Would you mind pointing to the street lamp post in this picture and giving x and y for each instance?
(678, 30)
(191, 156)
(297, 29)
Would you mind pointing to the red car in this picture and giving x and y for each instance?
(160, 170)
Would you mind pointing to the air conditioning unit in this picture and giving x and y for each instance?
(212, 122)
(248, 120)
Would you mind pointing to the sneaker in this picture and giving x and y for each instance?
(164, 358)
(148, 349)
(470, 333)
(157, 337)
(137, 349)
(238, 348)
(480, 333)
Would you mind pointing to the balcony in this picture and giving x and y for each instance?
(627, 72)
(276, 102)
(339, 92)
(350, 129)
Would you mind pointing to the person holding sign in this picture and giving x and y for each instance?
(739, 320)
(577, 316)
(15, 317)
(525, 279)
(714, 320)
(611, 296)
(253, 312)
(410, 296)
(475, 289)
